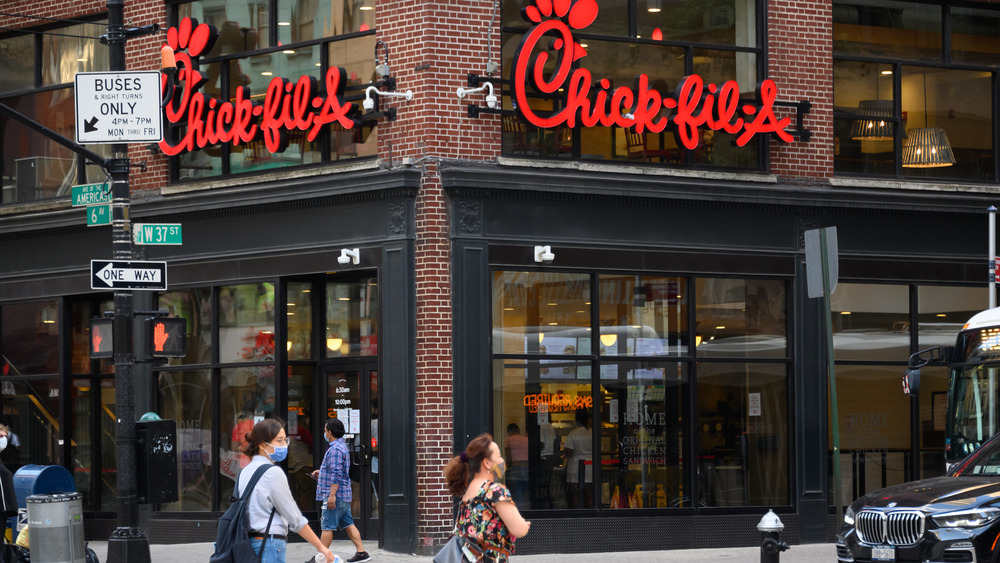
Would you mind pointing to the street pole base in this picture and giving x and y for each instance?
(128, 545)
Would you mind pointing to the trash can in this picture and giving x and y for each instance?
(56, 521)
(35, 480)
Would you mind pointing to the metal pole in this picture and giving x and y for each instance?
(993, 255)
(127, 543)
(832, 375)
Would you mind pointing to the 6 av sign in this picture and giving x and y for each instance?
(109, 274)
(118, 107)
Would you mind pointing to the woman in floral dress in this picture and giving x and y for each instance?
(486, 514)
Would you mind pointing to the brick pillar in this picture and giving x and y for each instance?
(434, 45)
(800, 59)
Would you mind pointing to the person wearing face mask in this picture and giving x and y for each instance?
(272, 509)
(487, 516)
(333, 489)
(8, 500)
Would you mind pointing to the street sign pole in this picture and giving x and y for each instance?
(127, 543)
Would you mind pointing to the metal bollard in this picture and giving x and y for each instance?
(770, 549)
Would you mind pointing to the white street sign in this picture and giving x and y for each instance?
(131, 274)
(118, 107)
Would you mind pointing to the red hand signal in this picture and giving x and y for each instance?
(97, 341)
(159, 337)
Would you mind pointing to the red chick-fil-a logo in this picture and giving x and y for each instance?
(694, 103)
(301, 106)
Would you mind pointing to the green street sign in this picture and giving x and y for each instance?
(90, 194)
(157, 234)
(99, 215)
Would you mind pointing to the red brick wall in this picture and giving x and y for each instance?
(800, 51)
(433, 46)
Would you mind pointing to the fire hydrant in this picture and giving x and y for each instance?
(770, 549)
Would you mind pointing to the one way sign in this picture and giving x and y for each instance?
(108, 274)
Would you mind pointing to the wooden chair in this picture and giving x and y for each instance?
(638, 149)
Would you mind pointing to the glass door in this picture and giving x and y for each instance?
(352, 397)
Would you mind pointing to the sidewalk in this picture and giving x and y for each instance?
(301, 552)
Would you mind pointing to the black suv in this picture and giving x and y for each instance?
(949, 519)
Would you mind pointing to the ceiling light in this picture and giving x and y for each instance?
(609, 339)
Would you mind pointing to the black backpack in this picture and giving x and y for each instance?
(232, 543)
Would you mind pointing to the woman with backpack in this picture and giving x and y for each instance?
(267, 444)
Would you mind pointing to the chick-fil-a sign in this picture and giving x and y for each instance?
(302, 106)
(694, 103)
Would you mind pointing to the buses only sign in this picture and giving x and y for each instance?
(118, 107)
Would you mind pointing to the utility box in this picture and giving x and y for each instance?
(156, 461)
(56, 522)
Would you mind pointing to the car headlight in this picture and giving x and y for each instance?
(967, 518)
(849, 516)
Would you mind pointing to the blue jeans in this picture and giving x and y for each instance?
(274, 550)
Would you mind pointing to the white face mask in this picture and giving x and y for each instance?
(3, 443)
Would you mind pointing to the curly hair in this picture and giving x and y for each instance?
(262, 432)
(459, 471)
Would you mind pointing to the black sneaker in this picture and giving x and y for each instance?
(360, 557)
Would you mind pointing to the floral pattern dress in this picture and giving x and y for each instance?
(478, 519)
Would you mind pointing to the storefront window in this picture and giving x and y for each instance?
(541, 313)
(742, 434)
(35, 167)
(741, 318)
(246, 398)
(81, 312)
(301, 440)
(303, 20)
(185, 396)
(30, 337)
(17, 63)
(874, 429)
(871, 322)
(73, 49)
(973, 35)
(644, 414)
(300, 323)
(246, 322)
(352, 319)
(943, 310)
(94, 461)
(195, 306)
(643, 316)
(889, 29)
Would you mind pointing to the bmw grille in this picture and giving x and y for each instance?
(897, 527)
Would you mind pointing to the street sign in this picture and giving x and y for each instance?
(156, 234)
(90, 194)
(129, 274)
(98, 215)
(118, 107)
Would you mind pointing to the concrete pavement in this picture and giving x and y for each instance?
(300, 552)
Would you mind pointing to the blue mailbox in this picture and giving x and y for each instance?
(41, 479)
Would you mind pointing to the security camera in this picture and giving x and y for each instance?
(491, 101)
(548, 257)
(544, 254)
(343, 260)
(368, 105)
(348, 256)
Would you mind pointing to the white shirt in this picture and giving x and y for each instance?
(580, 441)
(547, 436)
(272, 491)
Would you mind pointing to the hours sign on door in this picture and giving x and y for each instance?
(118, 107)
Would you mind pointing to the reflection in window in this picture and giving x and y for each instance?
(17, 63)
(973, 36)
(246, 322)
(185, 396)
(30, 336)
(871, 321)
(352, 318)
(33, 167)
(740, 318)
(195, 306)
(246, 397)
(541, 313)
(643, 316)
(943, 310)
(91, 461)
(742, 434)
(301, 441)
(73, 49)
(890, 29)
(299, 321)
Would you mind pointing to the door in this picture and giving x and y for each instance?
(352, 397)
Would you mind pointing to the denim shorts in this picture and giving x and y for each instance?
(337, 518)
(274, 550)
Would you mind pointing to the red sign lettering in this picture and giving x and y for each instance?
(694, 104)
(302, 106)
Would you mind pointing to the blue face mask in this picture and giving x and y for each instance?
(280, 453)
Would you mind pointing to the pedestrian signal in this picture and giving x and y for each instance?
(102, 335)
(166, 337)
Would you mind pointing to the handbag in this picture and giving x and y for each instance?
(459, 549)
(9, 552)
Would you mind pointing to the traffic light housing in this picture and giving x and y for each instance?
(166, 337)
(102, 336)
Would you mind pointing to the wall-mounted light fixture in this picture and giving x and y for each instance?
(491, 98)
(349, 256)
(544, 254)
(654, 6)
(369, 103)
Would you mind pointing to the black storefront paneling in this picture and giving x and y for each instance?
(471, 337)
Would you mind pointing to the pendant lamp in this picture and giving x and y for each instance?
(874, 124)
(927, 147)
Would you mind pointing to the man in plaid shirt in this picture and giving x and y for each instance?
(333, 489)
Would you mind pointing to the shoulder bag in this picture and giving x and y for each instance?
(459, 549)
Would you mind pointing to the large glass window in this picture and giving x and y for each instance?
(871, 321)
(186, 397)
(352, 318)
(942, 125)
(593, 408)
(29, 334)
(246, 322)
(195, 306)
(299, 38)
(666, 41)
